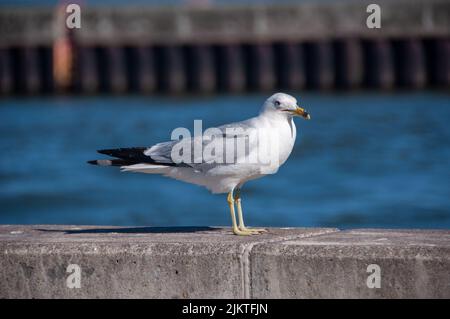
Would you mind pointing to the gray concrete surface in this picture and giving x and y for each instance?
(413, 264)
(222, 24)
(209, 262)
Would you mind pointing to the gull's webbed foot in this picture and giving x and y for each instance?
(254, 230)
(243, 232)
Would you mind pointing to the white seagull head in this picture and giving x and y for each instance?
(285, 105)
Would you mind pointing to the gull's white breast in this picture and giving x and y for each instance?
(284, 128)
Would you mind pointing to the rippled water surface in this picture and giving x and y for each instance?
(364, 160)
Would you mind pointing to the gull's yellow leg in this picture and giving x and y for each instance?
(236, 229)
(237, 198)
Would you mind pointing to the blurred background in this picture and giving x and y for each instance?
(375, 154)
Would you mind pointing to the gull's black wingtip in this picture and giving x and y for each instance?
(106, 151)
(94, 162)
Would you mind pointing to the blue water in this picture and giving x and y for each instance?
(364, 160)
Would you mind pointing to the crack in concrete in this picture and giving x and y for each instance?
(247, 248)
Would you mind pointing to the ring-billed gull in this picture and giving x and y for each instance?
(222, 159)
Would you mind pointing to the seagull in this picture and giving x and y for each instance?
(222, 166)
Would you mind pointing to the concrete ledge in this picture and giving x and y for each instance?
(208, 262)
(412, 263)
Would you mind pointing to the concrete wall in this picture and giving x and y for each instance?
(222, 24)
(232, 48)
(207, 262)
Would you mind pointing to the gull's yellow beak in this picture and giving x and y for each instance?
(302, 112)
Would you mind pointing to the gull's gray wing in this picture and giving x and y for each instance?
(214, 139)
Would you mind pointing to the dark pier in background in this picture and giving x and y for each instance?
(226, 48)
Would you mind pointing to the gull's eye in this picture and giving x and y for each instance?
(277, 103)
